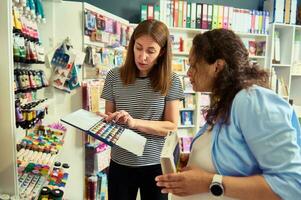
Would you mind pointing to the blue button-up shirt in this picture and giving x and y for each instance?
(263, 137)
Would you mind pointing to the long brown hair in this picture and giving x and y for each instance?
(237, 74)
(160, 75)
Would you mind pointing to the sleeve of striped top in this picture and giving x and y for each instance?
(107, 91)
(175, 90)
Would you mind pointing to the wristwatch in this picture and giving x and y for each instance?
(216, 187)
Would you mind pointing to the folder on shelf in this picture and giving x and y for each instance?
(293, 16)
(220, 16)
(193, 15)
(184, 17)
(226, 17)
(287, 11)
(111, 134)
(209, 16)
(170, 154)
(215, 17)
(143, 12)
(188, 15)
(275, 8)
(175, 13)
(199, 7)
(205, 16)
(150, 11)
(180, 14)
(157, 12)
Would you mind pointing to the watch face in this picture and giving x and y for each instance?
(216, 190)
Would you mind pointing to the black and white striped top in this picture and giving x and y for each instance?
(141, 102)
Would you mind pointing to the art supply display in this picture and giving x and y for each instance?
(30, 185)
(110, 133)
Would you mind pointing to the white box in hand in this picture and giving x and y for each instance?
(170, 153)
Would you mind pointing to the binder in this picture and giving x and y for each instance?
(193, 15)
(275, 8)
(175, 13)
(162, 8)
(143, 12)
(287, 11)
(225, 17)
(169, 13)
(188, 15)
(180, 14)
(215, 17)
(205, 17)
(230, 18)
(293, 16)
(157, 12)
(198, 15)
(184, 17)
(170, 154)
(209, 16)
(111, 134)
(253, 14)
(220, 16)
(150, 11)
(260, 22)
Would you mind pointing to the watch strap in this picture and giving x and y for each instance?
(217, 178)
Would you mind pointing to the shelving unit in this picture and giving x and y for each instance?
(288, 67)
(187, 35)
(58, 14)
(8, 170)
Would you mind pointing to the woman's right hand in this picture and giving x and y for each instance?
(121, 117)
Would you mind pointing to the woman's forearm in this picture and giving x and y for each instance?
(160, 128)
(252, 187)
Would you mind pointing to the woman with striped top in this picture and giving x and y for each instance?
(143, 95)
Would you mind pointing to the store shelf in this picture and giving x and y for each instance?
(194, 30)
(296, 75)
(298, 27)
(181, 53)
(186, 126)
(281, 65)
(187, 109)
(189, 92)
(182, 73)
(257, 57)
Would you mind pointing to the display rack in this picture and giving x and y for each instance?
(284, 60)
(8, 171)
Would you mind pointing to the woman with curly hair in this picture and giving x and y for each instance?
(250, 145)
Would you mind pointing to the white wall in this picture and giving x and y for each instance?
(64, 19)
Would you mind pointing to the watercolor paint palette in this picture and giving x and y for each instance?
(109, 133)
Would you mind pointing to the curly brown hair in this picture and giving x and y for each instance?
(237, 74)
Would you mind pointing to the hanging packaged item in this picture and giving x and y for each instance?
(66, 63)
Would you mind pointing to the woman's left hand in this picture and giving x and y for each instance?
(121, 117)
(189, 181)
